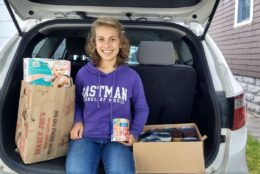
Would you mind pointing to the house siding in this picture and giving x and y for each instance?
(241, 45)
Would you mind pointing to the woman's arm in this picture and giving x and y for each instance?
(140, 108)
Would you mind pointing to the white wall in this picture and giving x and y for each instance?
(7, 26)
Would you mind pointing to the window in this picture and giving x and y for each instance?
(38, 47)
(243, 12)
(132, 55)
(50, 47)
(58, 54)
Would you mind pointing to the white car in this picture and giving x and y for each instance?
(195, 86)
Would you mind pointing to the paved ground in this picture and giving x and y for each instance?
(253, 125)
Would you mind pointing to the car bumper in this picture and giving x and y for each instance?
(231, 158)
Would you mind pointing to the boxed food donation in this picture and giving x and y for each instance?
(171, 148)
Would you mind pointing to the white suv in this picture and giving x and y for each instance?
(203, 89)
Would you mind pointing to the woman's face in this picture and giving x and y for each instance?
(107, 43)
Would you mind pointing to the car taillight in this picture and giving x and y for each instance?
(239, 112)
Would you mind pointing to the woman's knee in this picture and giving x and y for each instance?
(118, 159)
(82, 157)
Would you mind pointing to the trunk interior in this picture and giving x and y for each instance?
(66, 39)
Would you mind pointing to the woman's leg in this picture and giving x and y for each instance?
(83, 157)
(118, 159)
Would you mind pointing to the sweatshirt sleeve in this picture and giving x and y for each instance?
(140, 108)
(79, 104)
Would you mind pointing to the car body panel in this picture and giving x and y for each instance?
(228, 82)
(231, 155)
(6, 56)
(198, 12)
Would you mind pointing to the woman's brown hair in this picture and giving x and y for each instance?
(90, 47)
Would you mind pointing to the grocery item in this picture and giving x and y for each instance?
(169, 134)
(47, 72)
(45, 118)
(120, 129)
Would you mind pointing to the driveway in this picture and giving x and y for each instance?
(253, 125)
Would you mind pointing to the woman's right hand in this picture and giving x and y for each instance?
(77, 131)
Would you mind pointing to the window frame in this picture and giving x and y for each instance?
(247, 21)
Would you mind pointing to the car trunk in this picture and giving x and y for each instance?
(204, 111)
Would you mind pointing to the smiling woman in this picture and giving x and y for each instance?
(108, 42)
(108, 49)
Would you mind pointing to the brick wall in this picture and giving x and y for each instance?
(251, 87)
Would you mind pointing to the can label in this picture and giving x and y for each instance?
(120, 129)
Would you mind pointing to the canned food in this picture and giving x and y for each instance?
(120, 129)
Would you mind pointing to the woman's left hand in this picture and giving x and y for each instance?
(130, 141)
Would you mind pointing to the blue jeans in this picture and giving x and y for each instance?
(84, 155)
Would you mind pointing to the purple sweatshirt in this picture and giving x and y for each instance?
(101, 97)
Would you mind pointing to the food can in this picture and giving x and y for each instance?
(120, 129)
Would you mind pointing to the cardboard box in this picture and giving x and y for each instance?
(169, 157)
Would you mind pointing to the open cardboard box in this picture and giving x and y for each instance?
(170, 157)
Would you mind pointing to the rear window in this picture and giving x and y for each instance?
(133, 55)
(61, 52)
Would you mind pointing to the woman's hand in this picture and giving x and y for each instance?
(77, 131)
(130, 141)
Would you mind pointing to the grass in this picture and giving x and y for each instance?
(253, 155)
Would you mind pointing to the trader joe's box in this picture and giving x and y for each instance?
(170, 157)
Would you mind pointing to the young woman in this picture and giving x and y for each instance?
(106, 88)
